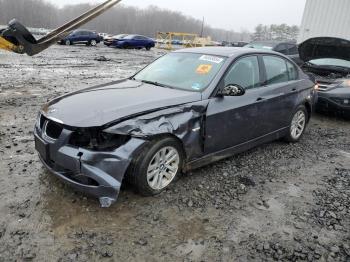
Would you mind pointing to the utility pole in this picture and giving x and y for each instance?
(202, 28)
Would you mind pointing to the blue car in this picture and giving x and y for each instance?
(82, 37)
(134, 41)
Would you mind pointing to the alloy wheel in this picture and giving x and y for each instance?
(163, 168)
(93, 42)
(298, 124)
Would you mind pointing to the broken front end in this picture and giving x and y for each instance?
(90, 160)
(95, 160)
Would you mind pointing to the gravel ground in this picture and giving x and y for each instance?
(286, 202)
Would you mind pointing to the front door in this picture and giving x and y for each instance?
(234, 120)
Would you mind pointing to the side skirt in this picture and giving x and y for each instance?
(228, 152)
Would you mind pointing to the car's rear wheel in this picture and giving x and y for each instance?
(297, 125)
(67, 42)
(157, 166)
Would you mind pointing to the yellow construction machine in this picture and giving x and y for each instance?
(18, 39)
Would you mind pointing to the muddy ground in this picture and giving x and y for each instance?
(280, 201)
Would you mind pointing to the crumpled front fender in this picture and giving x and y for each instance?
(184, 121)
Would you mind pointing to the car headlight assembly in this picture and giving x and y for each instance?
(97, 140)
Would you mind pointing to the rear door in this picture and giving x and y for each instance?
(279, 92)
(85, 36)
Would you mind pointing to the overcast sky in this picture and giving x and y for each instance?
(227, 14)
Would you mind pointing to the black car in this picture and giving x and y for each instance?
(82, 37)
(185, 110)
(289, 48)
(328, 60)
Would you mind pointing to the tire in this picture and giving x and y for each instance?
(148, 48)
(67, 42)
(93, 42)
(151, 177)
(297, 125)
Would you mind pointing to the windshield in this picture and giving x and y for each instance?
(266, 46)
(330, 62)
(187, 71)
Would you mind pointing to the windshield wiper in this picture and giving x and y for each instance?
(156, 84)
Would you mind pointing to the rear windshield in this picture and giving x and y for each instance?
(186, 71)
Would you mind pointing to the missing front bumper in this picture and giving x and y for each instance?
(98, 174)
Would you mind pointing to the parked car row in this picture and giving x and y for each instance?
(92, 38)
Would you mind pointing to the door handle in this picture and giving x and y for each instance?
(260, 99)
(294, 90)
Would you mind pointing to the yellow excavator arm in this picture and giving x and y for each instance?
(18, 39)
(7, 45)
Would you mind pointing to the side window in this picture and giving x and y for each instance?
(292, 72)
(281, 48)
(244, 72)
(276, 70)
(292, 49)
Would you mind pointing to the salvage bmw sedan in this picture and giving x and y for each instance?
(185, 110)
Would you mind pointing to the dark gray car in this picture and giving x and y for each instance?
(185, 110)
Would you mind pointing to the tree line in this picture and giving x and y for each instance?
(132, 20)
(120, 19)
(275, 32)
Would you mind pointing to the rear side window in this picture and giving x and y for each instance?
(276, 70)
(244, 72)
(292, 72)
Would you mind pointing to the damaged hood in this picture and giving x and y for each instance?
(324, 47)
(98, 106)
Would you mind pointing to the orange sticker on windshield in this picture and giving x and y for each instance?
(204, 69)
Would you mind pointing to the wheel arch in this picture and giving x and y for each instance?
(308, 107)
(173, 136)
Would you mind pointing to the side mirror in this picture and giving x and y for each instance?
(232, 90)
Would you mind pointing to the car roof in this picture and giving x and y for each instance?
(132, 35)
(272, 42)
(224, 51)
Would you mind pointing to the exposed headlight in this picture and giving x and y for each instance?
(97, 140)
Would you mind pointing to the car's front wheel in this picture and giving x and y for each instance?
(157, 166)
(67, 42)
(93, 42)
(297, 125)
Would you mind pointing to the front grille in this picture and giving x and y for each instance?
(53, 129)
